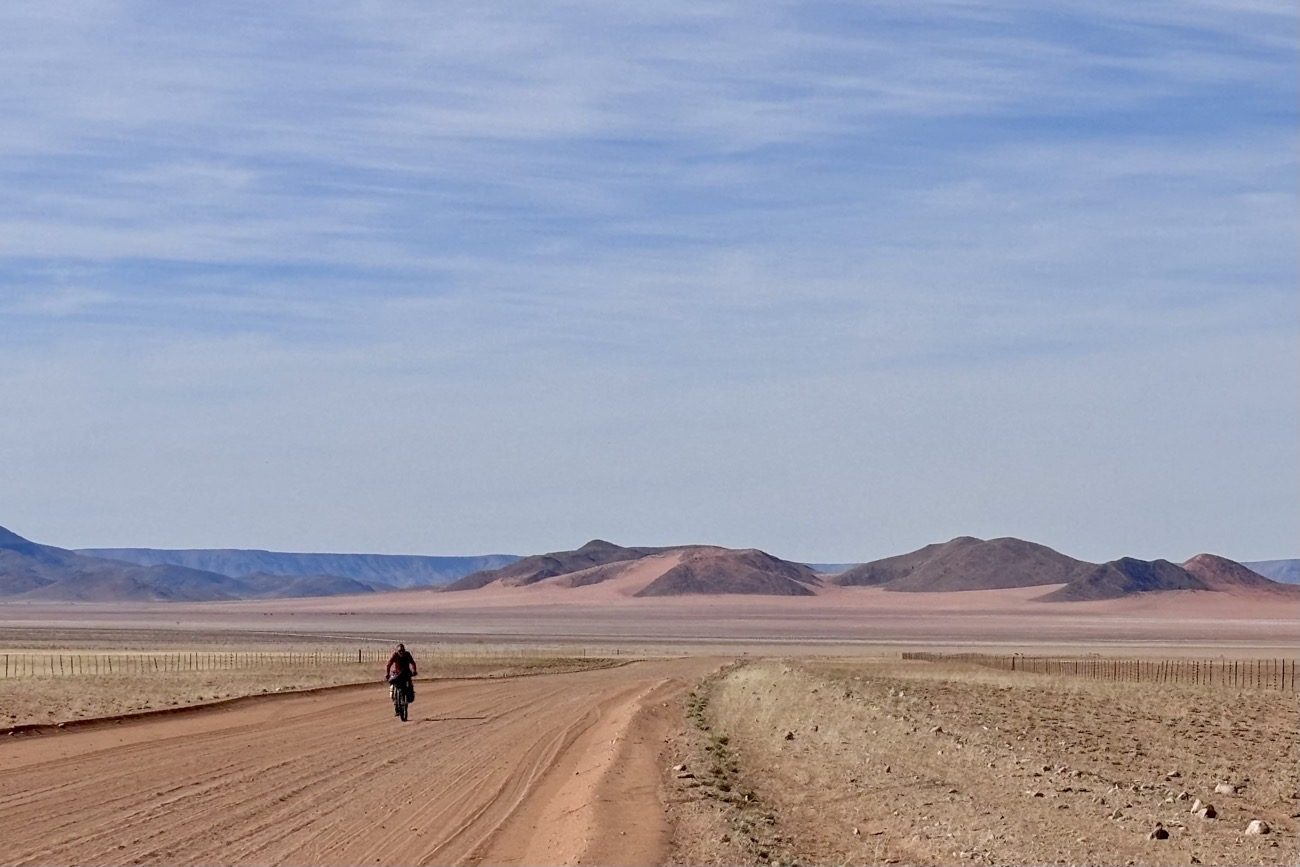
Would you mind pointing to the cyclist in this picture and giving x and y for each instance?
(401, 671)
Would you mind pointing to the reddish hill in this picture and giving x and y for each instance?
(721, 570)
(966, 563)
(539, 567)
(1220, 573)
(692, 569)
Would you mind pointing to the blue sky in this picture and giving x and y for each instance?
(834, 280)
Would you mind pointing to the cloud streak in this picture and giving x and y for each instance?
(239, 209)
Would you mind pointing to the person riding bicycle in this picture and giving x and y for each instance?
(401, 671)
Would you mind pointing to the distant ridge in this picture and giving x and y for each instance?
(1284, 571)
(375, 571)
(967, 563)
(29, 570)
(32, 571)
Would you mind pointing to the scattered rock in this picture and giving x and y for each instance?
(1257, 827)
(789, 736)
(1197, 805)
(1173, 775)
(1117, 814)
(679, 768)
(685, 775)
(1182, 796)
(1208, 812)
(1225, 789)
(1158, 833)
(936, 730)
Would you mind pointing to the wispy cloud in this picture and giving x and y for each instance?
(471, 206)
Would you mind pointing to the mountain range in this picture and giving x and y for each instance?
(1286, 571)
(379, 571)
(961, 564)
(31, 571)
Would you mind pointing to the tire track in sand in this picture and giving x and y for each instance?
(517, 770)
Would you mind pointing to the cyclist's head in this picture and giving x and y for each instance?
(401, 646)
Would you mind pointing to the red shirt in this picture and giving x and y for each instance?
(401, 663)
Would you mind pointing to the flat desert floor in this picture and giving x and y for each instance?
(697, 731)
(599, 617)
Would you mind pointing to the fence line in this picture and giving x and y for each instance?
(35, 663)
(1275, 674)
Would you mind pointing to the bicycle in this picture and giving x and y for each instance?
(401, 704)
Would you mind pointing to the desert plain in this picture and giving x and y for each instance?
(585, 726)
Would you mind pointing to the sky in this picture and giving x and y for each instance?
(833, 280)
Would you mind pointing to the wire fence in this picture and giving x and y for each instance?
(45, 664)
(1275, 674)
(39, 663)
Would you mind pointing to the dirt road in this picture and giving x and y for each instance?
(552, 769)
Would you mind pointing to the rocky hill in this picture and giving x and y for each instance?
(672, 571)
(967, 563)
(538, 567)
(1220, 573)
(726, 571)
(1124, 577)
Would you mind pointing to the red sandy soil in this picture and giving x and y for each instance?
(606, 614)
(551, 769)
